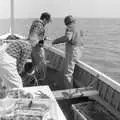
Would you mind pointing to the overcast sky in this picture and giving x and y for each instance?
(61, 8)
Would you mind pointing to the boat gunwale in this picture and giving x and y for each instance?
(103, 77)
(93, 71)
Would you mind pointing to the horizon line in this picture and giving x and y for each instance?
(64, 17)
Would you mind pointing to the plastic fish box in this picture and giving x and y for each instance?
(91, 110)
(28, 109)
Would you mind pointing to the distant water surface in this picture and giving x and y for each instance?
(101, 41)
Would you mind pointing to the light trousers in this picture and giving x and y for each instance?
(72, 53)
(8, 70)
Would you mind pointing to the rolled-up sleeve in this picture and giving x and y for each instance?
(37, 28)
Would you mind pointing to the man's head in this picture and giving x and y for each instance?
(45, 17)
(68, 20)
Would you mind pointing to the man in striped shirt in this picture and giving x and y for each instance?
(13, 56)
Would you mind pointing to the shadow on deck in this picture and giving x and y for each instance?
(55, 80)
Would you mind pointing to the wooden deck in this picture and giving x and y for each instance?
(55, 81)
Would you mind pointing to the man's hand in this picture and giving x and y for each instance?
(40, 66)
(48, 38)
(53, 42)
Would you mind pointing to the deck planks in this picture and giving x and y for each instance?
(74, 93)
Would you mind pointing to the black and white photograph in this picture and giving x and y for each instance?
(59, 60)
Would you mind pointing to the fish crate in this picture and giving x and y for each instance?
(91, 110)
(28, 109)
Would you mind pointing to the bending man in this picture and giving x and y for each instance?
(13, 56)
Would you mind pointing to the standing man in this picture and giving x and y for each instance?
(13, 56)
(38, 30)
(72, 39)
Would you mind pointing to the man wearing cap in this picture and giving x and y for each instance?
(13, 56)
(72, 39)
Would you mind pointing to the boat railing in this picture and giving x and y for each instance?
(56, 58)
(109, 89)
(85, 75)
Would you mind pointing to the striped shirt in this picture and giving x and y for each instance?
(38, 28)
(20, 50)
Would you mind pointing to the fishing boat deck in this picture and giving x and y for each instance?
(84, 76)
(55, 81)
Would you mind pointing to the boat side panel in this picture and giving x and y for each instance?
(114, 84)
(56, 59)
(107, 93)
(84, 75)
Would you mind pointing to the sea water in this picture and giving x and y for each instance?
(101, 38)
